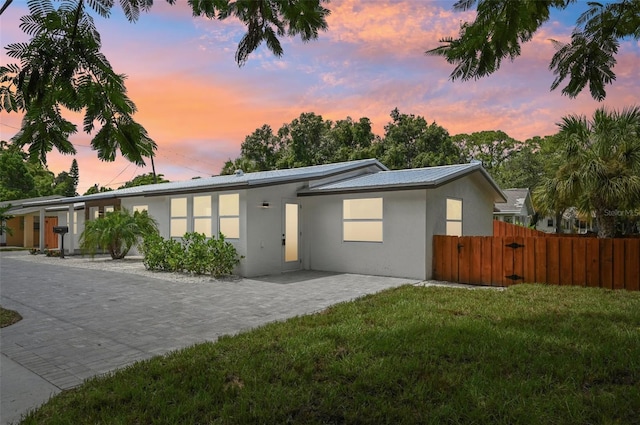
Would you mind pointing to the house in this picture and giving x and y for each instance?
(351, 217)
(572, 221)
(26, 224)
(518, 209)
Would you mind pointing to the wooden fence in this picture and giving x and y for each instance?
(501, 228)
(507, 260)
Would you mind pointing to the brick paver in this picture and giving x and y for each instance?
(80, 322)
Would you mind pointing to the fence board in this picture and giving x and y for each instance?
(541, 261)
(553, 261)
(606, 263)
(578, 261)
(529, 254)
(487, 259)
(464, 259)
(497, 277)
(566, 264)
(592, 262)
(632, 256)
(618, 264)
(518, 260)
(475, 271)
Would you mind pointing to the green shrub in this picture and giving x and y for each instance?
(196, 254)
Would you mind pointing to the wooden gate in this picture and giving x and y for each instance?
(504, 261)
(50, 238)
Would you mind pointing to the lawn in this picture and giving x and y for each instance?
(8, 317)
(532, 354)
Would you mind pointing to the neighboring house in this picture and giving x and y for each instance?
(572, 222)
(27, 222)
(351, 217)
(517, 210)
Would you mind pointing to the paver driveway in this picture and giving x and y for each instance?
(80, 322)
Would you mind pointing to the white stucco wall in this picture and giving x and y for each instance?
(411, 218)
(401, 253)
(264, 252)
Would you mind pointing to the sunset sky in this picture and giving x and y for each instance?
(198, 105)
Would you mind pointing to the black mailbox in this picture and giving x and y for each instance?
(61, 229)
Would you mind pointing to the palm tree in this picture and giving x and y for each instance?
(601, 172)
(116, 232)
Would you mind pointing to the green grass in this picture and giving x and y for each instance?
(8, 317)
(528, 355)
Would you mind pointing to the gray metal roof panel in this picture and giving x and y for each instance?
(416, 176)
(218, 182)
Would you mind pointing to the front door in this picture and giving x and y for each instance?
(291, 236)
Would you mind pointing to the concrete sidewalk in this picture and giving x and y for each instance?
(80, 320)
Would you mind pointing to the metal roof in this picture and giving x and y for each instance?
(220, 182)
(403, 179)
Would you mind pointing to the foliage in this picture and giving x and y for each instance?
(310, 140)
(96, 188)
(4, 217)
(532, 354)
(511, 163)
(162, 254)
(117, 232)
(62, 66)
(145, 179)
(409, 142)
(501, 26)
(600, 166)
(196, 254)
(21, 178)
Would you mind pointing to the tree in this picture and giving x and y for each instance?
(96, 188)
(117, 232)
(145, 179)
(501, 26)
(74, 174)
(409, 142)
(600, 169)
(493, 148)
(62, 66)
(16, 182)
(4, 217)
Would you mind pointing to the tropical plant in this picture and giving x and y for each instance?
(501, 26)
(117, 232)
(4, 217)
(601, 166)
(62, 66)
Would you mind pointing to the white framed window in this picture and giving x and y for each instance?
(362, 220)
(178, 226)
(229, 215)
(202, 215)
(108, 209)
(454, 217)
(140, 208)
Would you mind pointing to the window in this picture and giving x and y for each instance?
(108, 209)
(75, 222)
(549, 222)
(140, 208)
(202, 215)
(362, 220)
(229, 211)
(178, 217)
(454, 217)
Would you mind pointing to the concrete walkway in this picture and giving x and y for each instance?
(79, 321)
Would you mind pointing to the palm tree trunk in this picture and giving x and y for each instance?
(606, 223)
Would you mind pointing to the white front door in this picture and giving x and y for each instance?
(291, 235)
